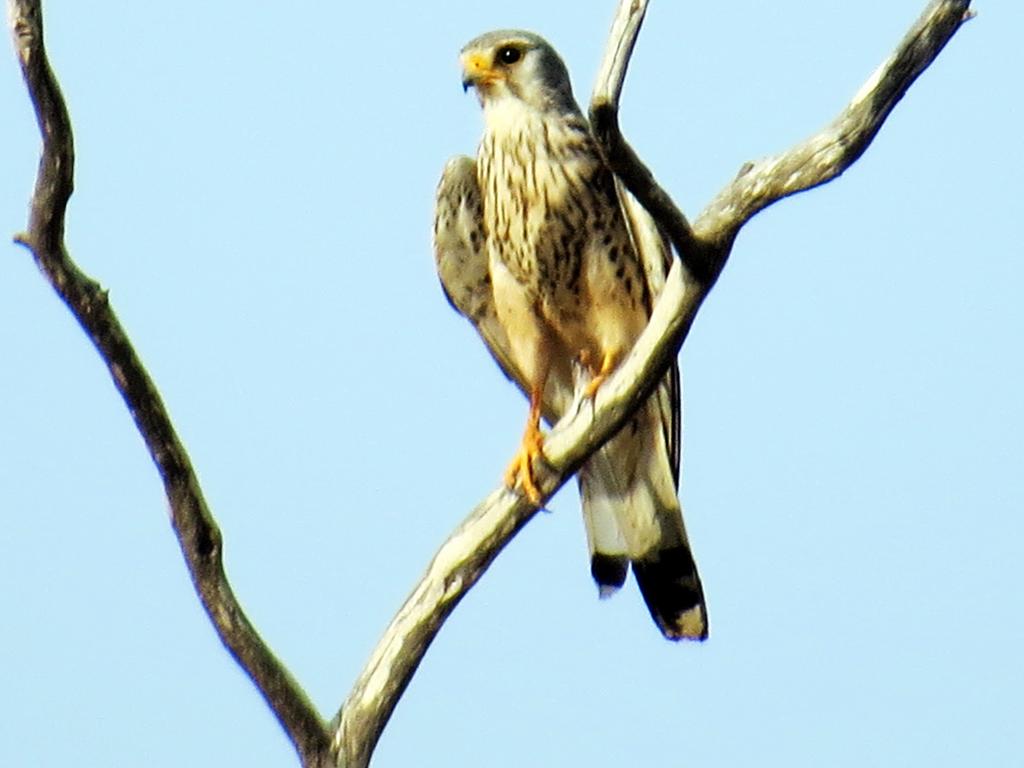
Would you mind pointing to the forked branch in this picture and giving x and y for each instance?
(703, 249)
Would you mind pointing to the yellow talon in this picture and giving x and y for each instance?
(531, 448)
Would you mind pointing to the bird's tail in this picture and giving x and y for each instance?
(633, 515)
(659, 551)
(601, 495)
(671, 587)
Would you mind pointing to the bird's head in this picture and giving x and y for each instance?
(517, 65)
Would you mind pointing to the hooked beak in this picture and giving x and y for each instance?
(477, 71)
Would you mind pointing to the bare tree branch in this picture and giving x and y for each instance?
(197, 532)
(704, 250)
(456, 567)
(832, 150)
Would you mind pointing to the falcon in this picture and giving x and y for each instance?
(542, 250)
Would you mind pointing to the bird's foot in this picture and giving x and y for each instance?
(607, 366)
(593, 386)
(521, 469)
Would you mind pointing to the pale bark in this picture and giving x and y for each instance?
(704, 247)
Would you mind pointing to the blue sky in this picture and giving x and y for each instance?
(255, 189)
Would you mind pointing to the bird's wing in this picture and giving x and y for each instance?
(649, 455)
(655, 255)
(461, 257)
(462, 266)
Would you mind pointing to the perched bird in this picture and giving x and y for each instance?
(538, 246)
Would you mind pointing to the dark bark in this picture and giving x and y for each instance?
(197, 532)
(703, 248)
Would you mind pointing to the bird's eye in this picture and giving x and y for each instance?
(509, 54)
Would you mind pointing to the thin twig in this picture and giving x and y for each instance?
(197, 532)
(704, 250)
